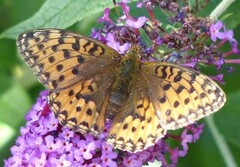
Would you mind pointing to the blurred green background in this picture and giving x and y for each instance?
(19, 88)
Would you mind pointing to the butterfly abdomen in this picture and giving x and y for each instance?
(120, 90)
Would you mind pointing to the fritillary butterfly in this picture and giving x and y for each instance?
(89, 82)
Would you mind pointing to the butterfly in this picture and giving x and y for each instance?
(89, 83)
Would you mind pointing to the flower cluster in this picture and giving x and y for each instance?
(187, 42)
(219, 32)
(44, 142)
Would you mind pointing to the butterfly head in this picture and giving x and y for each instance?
(131, 60)
(134, 51)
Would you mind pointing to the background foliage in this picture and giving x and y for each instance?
(19, 87)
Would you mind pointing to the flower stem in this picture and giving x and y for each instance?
(221, 143)
(220, 9)
(233, 61)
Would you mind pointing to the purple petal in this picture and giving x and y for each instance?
(214, 30)
(105, 16)
(136, 23)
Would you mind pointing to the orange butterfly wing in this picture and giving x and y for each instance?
(77, 70)
(80, 71)
(164, 97)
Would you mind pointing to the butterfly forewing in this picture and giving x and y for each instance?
(181, 96)
(60, 58)
(77, 70)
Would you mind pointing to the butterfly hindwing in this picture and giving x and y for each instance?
(137, 126)
(82, 107)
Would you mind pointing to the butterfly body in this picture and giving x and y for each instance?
(89, 82)
(121, 88)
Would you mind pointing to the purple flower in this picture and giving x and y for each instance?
(229, 35)
(129, 20)
(148, 4)
(51, 145)
(14, 161)
(185, 138)
(159, 40)
(126, 1)
(234, 45)
(197, 132)
(132, 161)
(86, 150)
(39, 161)
(60, 161)
(215, 31)
(125, 8)
(96, 34)
(77, 153)
(191, 64)
(218, 78)
(20, 146)
(108, 159)
(136, 23)
(106, 148)
(93, 165)
(174, 155)
(66, 134)
(116, 45)
(105, 16)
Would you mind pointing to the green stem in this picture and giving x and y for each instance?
(221, 143)
(220, 9)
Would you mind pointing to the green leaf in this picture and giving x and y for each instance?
(58, 14)
(14, 102)
(8, 55)
(232, 21)
(227, 120)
